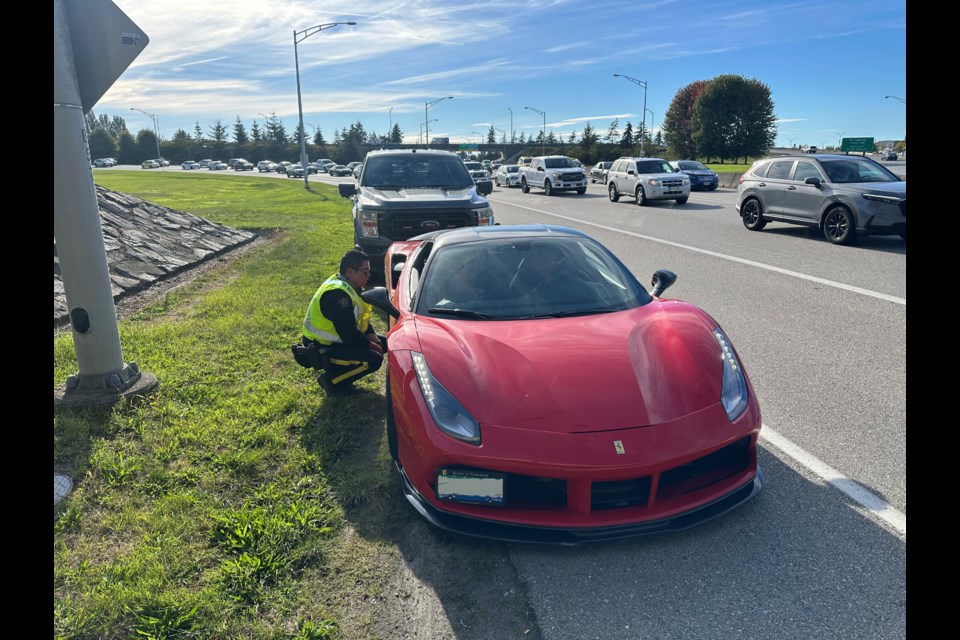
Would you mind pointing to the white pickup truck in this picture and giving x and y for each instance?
(552, 174)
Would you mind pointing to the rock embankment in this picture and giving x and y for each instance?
(147, 244)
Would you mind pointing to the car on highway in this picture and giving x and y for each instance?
(598, 173)
(701, 176)
(888, 155)
(266, 166)
(189, 165)
(205, 162)
(242, 165)
(104, 162)
(844, 196)
(282, 166)
(294, 171)
(340, 170)
(507, 175)
(497, 428)
(481, 177)
(646, 180)
(217, 165)
(150, 164)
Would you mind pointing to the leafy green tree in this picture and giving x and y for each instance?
(613, 131)
(240, 132)
(127, 152)
(146, 145)
(734, 118)
(626, 140)
(179, 148)
(101, 144)
(677, 132)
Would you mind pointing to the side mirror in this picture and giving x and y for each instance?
(815, 181)
(377, 297)
(347, 189)
(662, 279)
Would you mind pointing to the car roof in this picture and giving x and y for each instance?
(462, 235)
(410, 152)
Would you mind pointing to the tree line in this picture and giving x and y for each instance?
(727, 118)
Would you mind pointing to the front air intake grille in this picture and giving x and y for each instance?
(702, 472)
(401, 226)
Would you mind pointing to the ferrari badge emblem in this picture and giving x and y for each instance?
(618, 445)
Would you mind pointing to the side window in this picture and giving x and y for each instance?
(416, 268)
(780, 169)
(631, 166)
(616, 165)
(761, 171)
(806, 170)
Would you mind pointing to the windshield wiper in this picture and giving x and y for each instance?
(568, 314)
(463, 313)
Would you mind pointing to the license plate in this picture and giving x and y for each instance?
(471, 487)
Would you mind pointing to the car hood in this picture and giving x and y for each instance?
(421, 197)
(895, 189)
(697, 172)
(635, 368)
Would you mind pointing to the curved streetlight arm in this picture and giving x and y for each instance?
(641, 83)
(300, 36)
(543, 139)
(156, 131)
(897, 99)
(426, 120)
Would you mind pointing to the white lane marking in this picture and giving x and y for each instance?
(880, 508)
(723, 256)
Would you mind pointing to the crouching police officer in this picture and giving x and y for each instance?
(339, 319)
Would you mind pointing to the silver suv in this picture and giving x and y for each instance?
(646, 179)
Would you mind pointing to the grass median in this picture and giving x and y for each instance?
(215, 506)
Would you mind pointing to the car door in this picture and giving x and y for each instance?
(802, 201)
(773, 186)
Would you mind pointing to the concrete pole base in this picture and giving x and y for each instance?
(86, 390)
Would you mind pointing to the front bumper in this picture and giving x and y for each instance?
(490, 530)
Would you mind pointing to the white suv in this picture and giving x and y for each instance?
(646, 179)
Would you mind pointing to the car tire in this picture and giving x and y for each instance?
(752, 215)
(593, 180)
(547, 188)
(839, 226)
(682, 200)
(581, 190)
(641, 196)
(496, 181)
(713, 188)
(612, 192)
(524, 186)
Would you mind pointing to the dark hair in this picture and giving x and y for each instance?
(353, 259)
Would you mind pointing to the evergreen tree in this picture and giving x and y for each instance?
(626, 140)
(240, 132)
(255, 134)
(318, 138)
(197, 133)
(396, 136)
(491, 135)
(612, 132)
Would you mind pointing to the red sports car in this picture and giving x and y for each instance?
(536, 392)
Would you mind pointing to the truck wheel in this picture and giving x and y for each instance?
(547, 189)
(581, 190)
(524, 186)
(641, 196)
(682, 200)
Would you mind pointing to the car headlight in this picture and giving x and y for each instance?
(733, 393)
(369, 225)
(484, 216)
(653, 182)
(448, 414)
(876, 197)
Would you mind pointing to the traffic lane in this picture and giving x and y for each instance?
(709, 222)
(827, 364)
(797, 562)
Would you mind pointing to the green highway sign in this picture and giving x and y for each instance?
(856, 144)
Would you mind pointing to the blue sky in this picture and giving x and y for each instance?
(828, 64)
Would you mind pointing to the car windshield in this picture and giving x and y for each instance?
(691, 165)
(416, 171)
(524, 278)
(559, 163)
(654, 166)
(851, 170)
(473, 166)
(513, 169)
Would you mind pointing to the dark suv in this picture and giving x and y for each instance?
(844, 196)
(402, 193)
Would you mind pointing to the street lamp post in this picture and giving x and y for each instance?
(300, 36)
(420, 135)
(897, 99)
(653, 120)
(543, 135)
(839, 138)
(641, 83)
(426, 122)
(156, 131)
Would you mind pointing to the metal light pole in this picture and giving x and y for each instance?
(642, 83)
(420, 135)
(300, 36)
(543, 138)
(839, 138)
(653, 121)
(426, 122)
(156, 132)
(896, 98)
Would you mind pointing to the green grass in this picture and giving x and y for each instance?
(215, 506)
